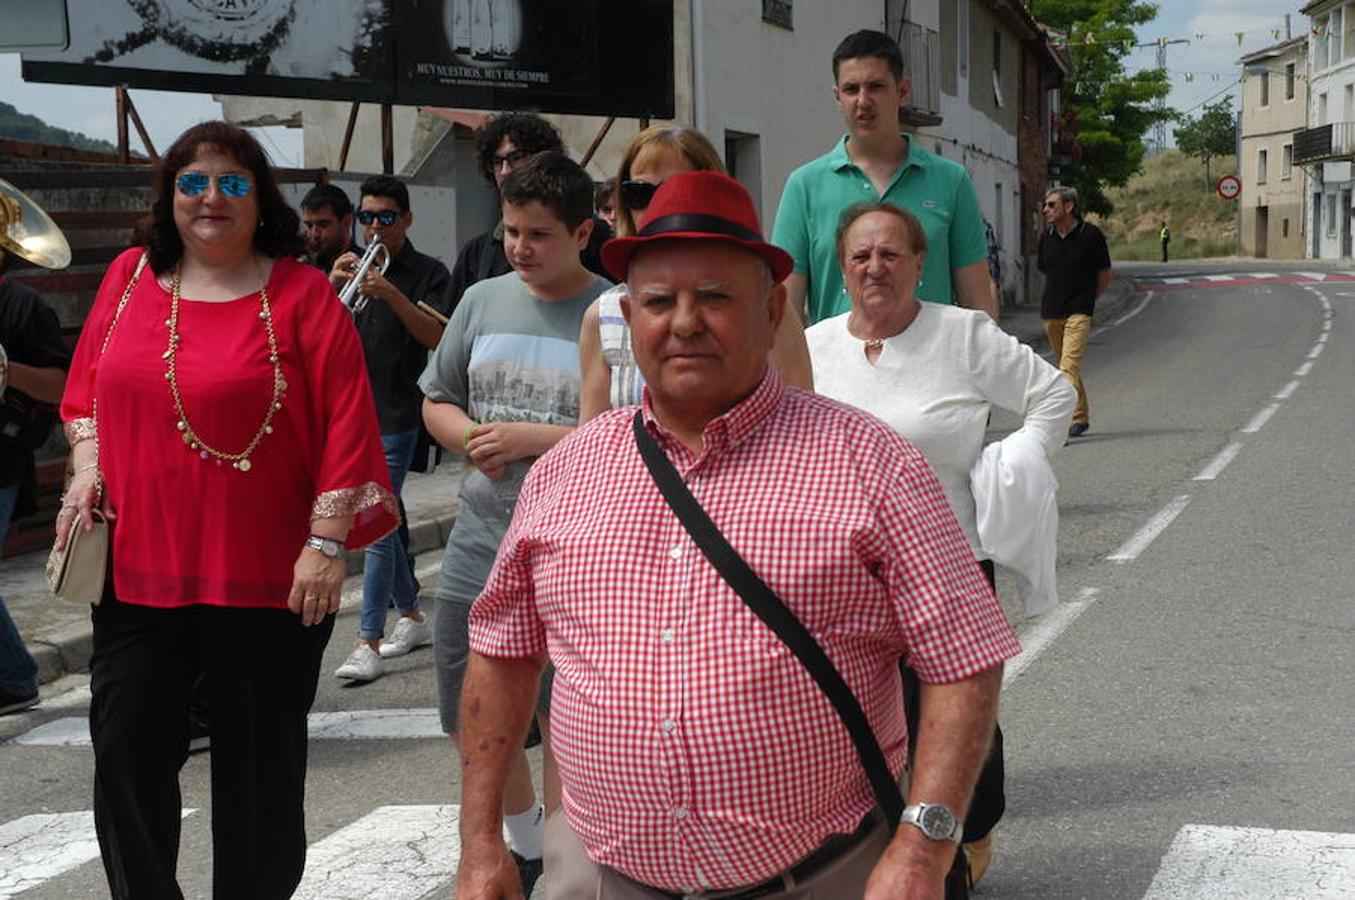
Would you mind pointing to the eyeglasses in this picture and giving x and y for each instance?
(191, 184)
(1051, 204)
(637, 194)
(510, 159)
(386, 217)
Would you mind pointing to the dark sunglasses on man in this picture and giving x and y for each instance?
(386, 217)
(191, 184)
(637, 194)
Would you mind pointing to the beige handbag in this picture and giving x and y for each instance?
(76, 572)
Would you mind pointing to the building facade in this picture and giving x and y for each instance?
(1326, 146)
(1274, 106)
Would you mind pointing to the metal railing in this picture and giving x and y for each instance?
(1323, 143)
(921, 58)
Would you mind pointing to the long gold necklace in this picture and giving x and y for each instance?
(191, 438)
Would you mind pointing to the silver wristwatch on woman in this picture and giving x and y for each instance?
(935, 820)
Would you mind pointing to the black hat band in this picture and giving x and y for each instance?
(698, 222)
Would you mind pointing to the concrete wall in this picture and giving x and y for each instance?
(1273, 220)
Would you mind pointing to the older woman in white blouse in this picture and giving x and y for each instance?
(933, 373)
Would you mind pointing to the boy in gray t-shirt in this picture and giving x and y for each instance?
(502, 387)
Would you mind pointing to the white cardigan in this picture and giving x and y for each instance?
(935, 382)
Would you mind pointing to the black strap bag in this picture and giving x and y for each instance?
(774, 613)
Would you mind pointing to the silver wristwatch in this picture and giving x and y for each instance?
(935, 820)
(328, 546)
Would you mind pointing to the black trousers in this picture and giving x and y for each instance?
(259, 669)
(990, 797)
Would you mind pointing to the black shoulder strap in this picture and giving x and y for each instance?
(762, 600)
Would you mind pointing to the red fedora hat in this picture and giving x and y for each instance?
(707, 206)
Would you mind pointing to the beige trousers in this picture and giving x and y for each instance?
(571, 875)
(1068, 341)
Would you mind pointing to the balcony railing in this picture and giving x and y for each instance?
(921, 63)
(1325, 143)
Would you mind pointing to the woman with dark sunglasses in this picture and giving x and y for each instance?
(610, 377)
(220, 418)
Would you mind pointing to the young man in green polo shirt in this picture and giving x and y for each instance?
(873, 161)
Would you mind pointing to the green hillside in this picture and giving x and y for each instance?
(24, 127)
(1171, 187)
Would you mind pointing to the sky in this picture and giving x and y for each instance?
(1201, 71)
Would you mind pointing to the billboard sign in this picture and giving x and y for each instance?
(600, 57)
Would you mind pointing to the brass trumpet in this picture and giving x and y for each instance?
(26, 231)
(377, 254)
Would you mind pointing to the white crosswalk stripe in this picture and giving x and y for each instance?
(38, 848)
(1256, 864)
(394, 852)
(344, 725)
(1220, 278)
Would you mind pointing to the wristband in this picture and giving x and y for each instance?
(467, 435)
(87, 466)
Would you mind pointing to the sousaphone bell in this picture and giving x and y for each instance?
(28, 232)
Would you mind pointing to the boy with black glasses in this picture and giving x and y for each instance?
(396, 337)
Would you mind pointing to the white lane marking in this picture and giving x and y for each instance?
(375, 724)
(1262, 275)
(1176, 281)
(1050, 625)
(1133, 312)
(1303, 370)
(1321, 338)
(1259, 420)
(1220, 278)
(1315, 352)
(1288, 390)
(37, 848)
(393, 851)
(1326, 323)
(342, 725)
(1130, 549)
(1314, 276)
(1255, 864)
(1219, 462)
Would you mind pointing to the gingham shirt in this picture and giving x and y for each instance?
(695, 751)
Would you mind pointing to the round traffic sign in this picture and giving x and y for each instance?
(1229, 187)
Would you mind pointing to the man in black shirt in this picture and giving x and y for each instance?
(327, 225)
(33, 364)
(1076, 266)
(503, 142)
(396, 337)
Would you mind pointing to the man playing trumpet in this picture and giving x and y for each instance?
(396, 337)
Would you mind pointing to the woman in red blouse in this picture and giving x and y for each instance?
(218, 411)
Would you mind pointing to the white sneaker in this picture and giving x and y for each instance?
(363, 664)
(408, 634)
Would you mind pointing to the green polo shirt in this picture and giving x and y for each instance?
(936, 190)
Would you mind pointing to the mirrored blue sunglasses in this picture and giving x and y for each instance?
(191, 184)
(386, 217)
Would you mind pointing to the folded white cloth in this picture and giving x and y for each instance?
(1017, 514)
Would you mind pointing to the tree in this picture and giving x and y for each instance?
(24, 127)
(1106, 112)
(1213, 133)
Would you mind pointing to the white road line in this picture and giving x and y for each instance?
(375, 724)
(37, 848)
(1262, 275)
(1220, 278)
(1259, 420)
(338, 725)
(1050, 625)
(1133, 312)
(1321, 338)
(1255, 864)
(1315, 276)
(1130, 549)
(1288, 390)
(392, 852)
(1315, 352)
(1303, 370)
(1219, 462)
(1176, 281)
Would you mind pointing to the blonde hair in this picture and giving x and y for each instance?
(690, 144)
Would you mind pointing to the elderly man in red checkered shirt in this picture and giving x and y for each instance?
(698, 757)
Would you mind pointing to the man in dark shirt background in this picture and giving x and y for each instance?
(327, 225)
(1076, 266)
(396, 337)
(502, 143)
(33, 379)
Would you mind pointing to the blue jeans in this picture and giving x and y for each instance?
(388, 572)
(18, 672)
